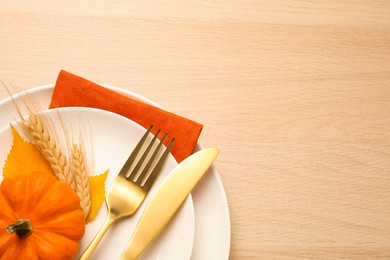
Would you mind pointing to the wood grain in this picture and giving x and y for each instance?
(295, 93)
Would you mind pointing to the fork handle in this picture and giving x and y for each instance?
(92, 246)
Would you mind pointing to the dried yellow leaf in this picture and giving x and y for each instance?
(97, 194)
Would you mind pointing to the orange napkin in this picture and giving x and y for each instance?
(72, 90)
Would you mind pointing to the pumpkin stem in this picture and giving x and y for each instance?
(22, 228)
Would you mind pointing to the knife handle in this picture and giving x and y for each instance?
(169, 197)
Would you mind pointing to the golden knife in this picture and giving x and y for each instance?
(167, 200)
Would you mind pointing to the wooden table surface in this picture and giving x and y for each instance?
(296, 94)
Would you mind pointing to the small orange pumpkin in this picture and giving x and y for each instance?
(40, 218)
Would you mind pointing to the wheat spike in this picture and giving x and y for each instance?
(80, 174)
(81, 158)
(42, 138)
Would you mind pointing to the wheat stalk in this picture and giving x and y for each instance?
(37, 130)
(47, 137)
(80, 173)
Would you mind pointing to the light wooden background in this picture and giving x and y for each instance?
(295, 93)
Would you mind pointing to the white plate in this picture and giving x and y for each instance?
(114, 137)
(212, 220)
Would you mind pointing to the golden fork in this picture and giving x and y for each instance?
(128, 192)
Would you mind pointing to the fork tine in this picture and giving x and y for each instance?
(151, 160)
(159, 165)
(142, 159)
(130, 160)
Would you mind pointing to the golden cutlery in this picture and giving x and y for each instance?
(167, 200)
(128, 191)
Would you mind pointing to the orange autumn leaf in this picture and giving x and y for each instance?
(24, 158)
(97, 194)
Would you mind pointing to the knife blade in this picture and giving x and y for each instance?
(167, 200)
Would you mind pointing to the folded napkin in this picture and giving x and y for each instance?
(72, 90)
